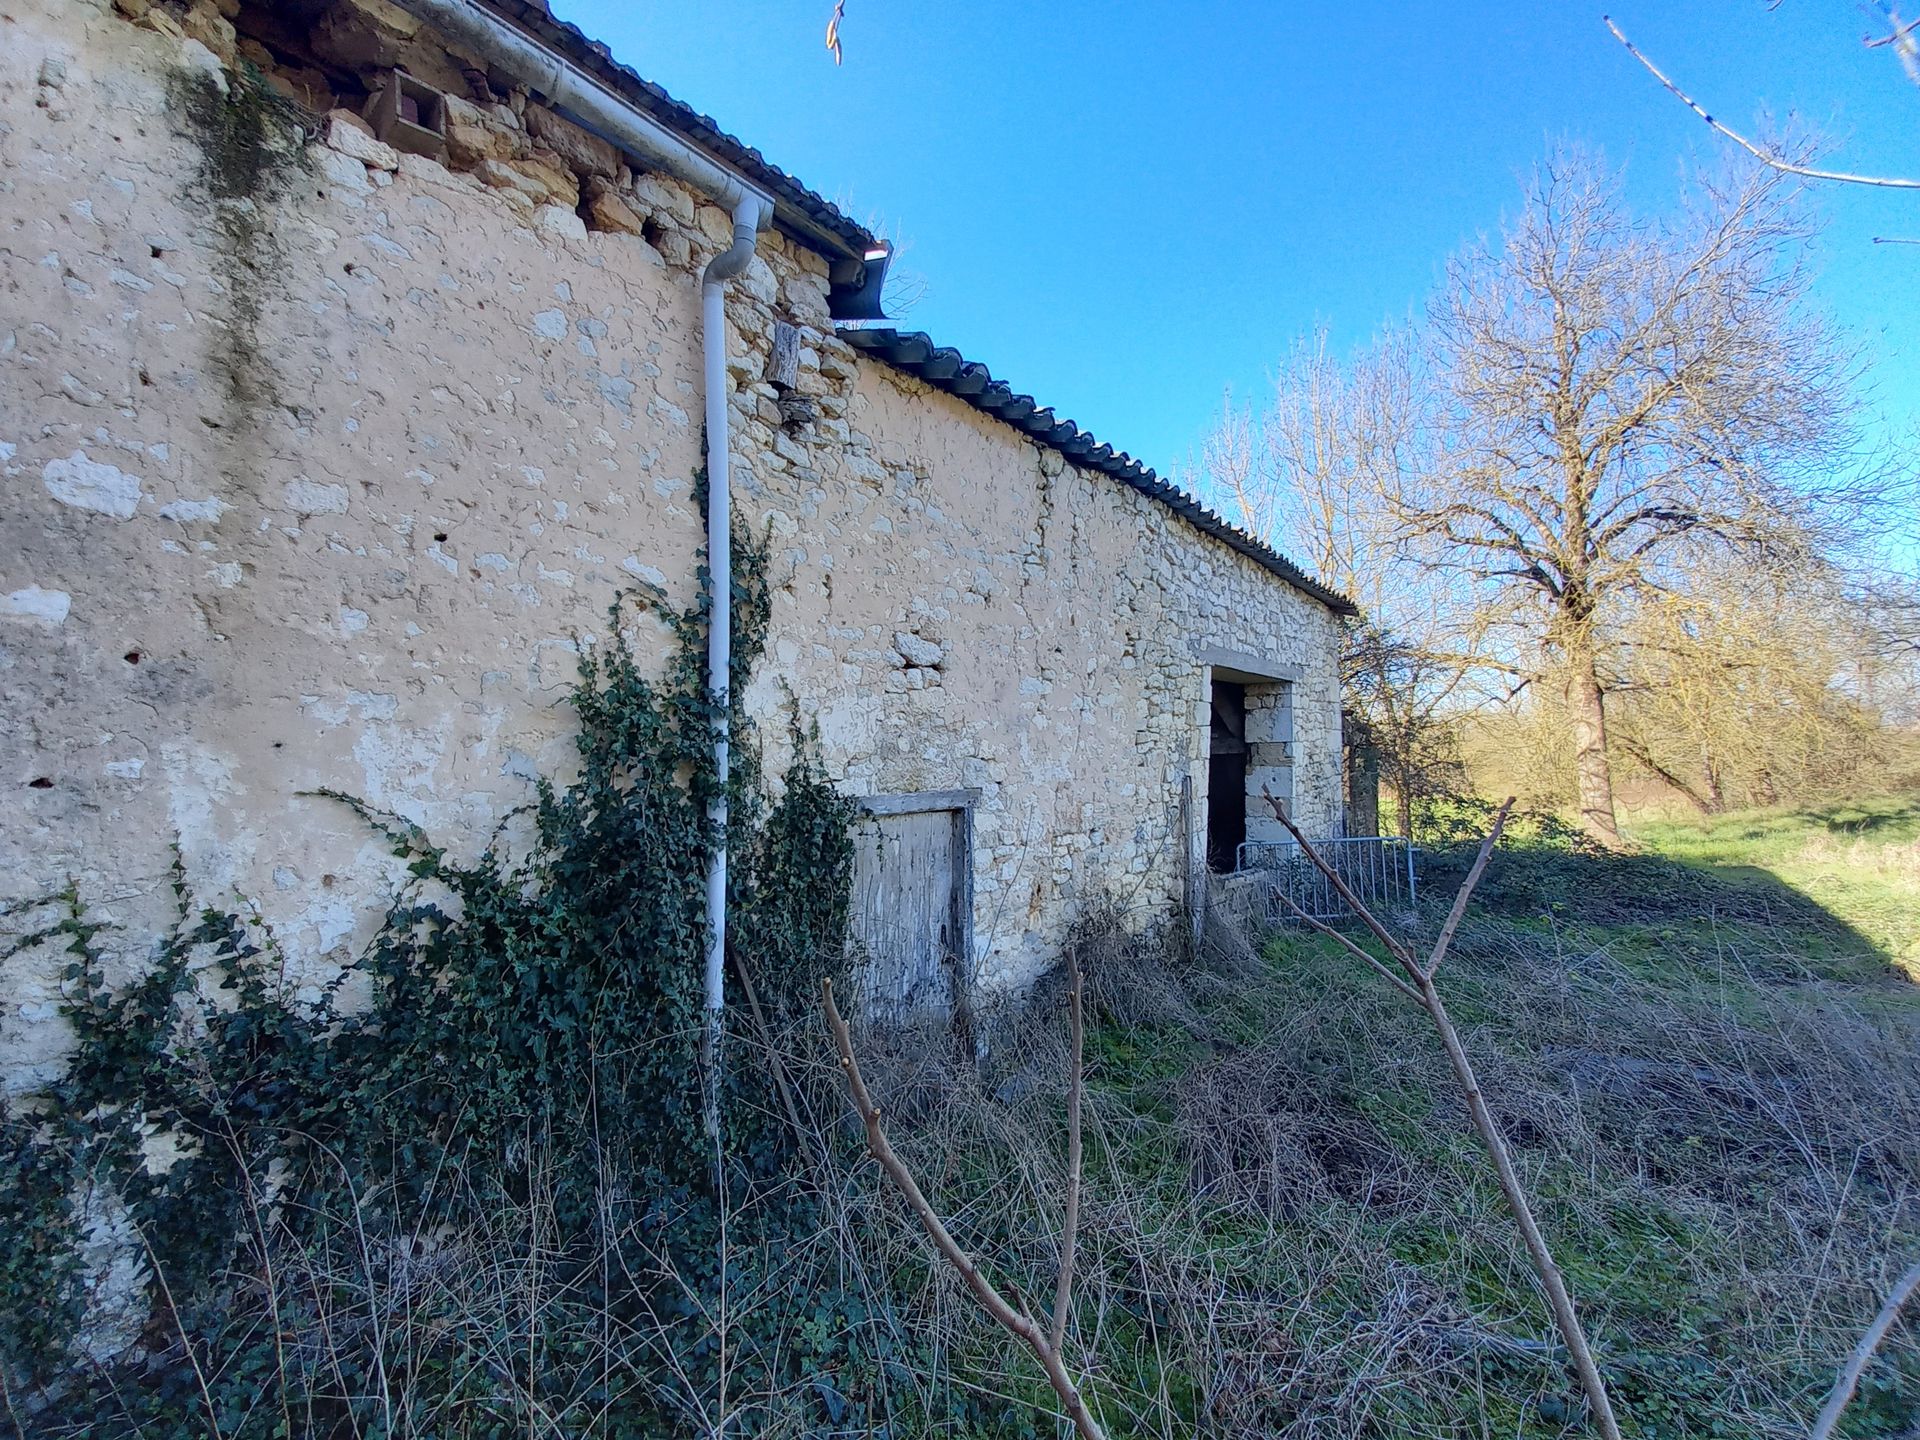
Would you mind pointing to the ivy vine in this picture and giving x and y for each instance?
(476, 1201)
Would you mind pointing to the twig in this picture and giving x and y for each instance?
(1359, 954)
(1427, 993)
(1387, 938)
(1900, 32)
(833, 29)
(180, 1328)
(1905, 48)
(1895, 240)
(1018, 1323)
(1070, 1222)
(1760, 153)
(1466, 889)
(1875, 1337)
(773, 1051)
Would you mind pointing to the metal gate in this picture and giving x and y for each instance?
(1377, 869)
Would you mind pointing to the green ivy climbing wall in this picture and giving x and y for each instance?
(480, 1201)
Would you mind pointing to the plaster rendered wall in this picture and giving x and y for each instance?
(318, 491)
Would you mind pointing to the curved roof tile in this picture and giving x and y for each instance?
(944, 369)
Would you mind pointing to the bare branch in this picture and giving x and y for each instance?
(1905, 48)
(1373, 961)
(1901, 32)
(1070, 1223)
(1760, 153)
(833, 29)
(1353, 902)
(1876, 1335)
(747, 987)
(1018, 1323)
(1559, 1299)
(1466, 890)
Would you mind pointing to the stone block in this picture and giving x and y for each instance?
(205, 23)
(362, 34)
(918, 652)
(344, 171)
(558, 220)
(836, 359)
(758, 280)
(307, 88)
(510, 180)
(350, 135)
(386, 15)
(806, 297)
(161, 23)
(583, 153)
(475, 134)
(561, 185)
(665, 197)
(610, 212)
(429, 172)
(674, 248)
(715, 224)
(533, 181)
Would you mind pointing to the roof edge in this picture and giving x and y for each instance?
(915, 353)
(808, 216)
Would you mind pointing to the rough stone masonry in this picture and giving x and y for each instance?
(317, 461)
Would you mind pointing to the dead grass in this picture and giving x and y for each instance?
(1289, 1230)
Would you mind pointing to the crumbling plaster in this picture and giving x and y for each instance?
(370, 570)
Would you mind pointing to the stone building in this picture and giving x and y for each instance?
(321, 453)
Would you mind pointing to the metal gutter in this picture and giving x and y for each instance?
(800, 212)
(478, 31)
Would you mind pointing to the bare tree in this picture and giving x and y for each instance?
(1619, 397)
(1312, 472)
(1746, 683)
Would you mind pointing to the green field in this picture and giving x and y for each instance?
(1860, 862)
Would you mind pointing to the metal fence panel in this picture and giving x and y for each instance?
(1377, 869)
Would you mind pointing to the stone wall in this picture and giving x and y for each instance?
(316, 464)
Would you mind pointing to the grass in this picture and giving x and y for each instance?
(1703, 1055)
(1860, 862)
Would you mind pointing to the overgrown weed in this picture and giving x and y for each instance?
(1713, 1090)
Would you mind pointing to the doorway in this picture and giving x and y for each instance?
(1227, 753)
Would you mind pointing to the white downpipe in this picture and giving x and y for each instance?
(471, 28)
(713, 326)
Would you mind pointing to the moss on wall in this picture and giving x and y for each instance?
(252, 147)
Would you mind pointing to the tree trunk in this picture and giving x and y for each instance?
(1716, 793)
(1587, 704)
(1403, 805)
(1637, 751)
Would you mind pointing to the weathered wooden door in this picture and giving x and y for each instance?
(909, 917)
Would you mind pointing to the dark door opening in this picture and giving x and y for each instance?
(1227, 776)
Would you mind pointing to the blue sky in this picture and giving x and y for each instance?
(1125, 209)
